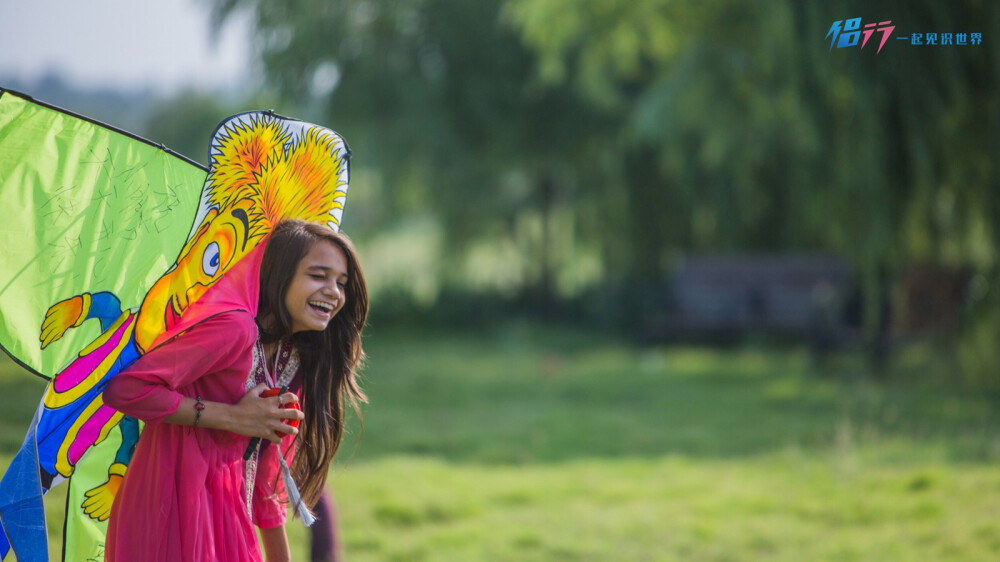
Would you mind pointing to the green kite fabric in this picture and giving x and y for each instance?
(75, 190)
(108, 239)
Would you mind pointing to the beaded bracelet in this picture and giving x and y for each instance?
(198, 407)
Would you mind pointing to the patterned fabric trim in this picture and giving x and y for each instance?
(286, 365)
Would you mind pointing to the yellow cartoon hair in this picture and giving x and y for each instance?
(284, 176)
(304, 184)
(241, 151)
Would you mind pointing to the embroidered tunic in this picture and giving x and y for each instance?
(185, 494)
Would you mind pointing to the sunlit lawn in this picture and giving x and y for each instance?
(522, 443)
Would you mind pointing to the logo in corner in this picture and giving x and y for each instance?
(847, 33)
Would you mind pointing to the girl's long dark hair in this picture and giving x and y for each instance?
(329, 360)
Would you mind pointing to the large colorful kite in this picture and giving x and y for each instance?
(107, 240)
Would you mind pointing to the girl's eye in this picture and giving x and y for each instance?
(319, 277)
(210, 259)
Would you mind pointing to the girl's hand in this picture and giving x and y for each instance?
(258, 416)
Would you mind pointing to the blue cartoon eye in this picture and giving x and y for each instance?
(210, 260)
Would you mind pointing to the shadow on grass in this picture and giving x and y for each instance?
(525, 395)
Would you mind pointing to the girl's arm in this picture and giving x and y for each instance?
(147, 389)
(275, 544)
(252, 416)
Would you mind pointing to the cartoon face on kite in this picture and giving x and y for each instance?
(220, 241)
(264, 168)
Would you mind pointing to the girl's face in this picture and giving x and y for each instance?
(317, 292)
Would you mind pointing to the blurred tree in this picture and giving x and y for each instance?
(663, 126)
(770, 140)
(439, 96)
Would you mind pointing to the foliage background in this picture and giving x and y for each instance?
(527, 173)
(558, 156)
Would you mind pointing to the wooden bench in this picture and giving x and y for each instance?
(723, 297)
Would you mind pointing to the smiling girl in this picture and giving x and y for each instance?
(189, 494)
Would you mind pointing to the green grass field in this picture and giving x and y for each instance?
(523, 443)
